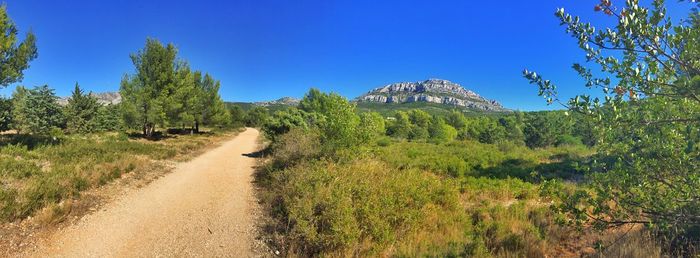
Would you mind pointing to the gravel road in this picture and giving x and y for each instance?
(205, 208)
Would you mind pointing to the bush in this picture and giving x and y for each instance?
(471, 158)
(361, 208)
(295, 146)
(568, 140)
(384, 141)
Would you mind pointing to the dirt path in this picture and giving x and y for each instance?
(205, 207)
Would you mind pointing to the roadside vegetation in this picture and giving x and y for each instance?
(414, 184)
(49, 153)
(612, 176)
(40, 173)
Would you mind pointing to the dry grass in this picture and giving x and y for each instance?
(412, 199)
(40, 177)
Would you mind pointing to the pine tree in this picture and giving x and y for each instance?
(81, 112)
(36, 110)
(14, 58)
(211, 109)
(148, 94)
(5, 114)
(189, 95)
(18, 104)
(108, 118)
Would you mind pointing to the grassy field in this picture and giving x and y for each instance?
(407, 199)
(40, 172)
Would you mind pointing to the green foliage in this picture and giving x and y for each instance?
(457, 120)
(440, 131)
(166, 92)
(213, 110)
(372, 125)
(543, 128)
(568, 140)
(411, 198)
(5, 114)
(284, 121)
(238, 115)
(145, 95)
(339, 126)
(108, 118)
(513, 126)
(470, 158)
(400, 126)
(647, 122)
(483, 129)
(419, 118)
(36, 111)
(256, 117)
(81, 112)
(361, 208)
(14, 56)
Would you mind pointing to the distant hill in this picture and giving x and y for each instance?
(272, 106)
(434, 91)
(288, 101)
(104, 98)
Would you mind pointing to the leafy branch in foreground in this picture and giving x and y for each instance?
(647, 170)
(14, 58)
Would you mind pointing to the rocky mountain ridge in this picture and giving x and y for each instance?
(289, 101)
(434, 91)
(104, 98)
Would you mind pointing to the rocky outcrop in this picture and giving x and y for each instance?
(433, 91)
(104, 98)
(287, 101)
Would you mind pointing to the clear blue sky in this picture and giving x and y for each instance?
(263, 50)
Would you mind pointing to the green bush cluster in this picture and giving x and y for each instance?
(360, 208)
(534, 129)
(471, 158)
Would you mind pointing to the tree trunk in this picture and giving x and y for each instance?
(196, 126)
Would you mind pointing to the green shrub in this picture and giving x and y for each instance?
(471, 158)
(383, 142)
(568, 140)
(363, 207)
(17, 168)
(296, 145)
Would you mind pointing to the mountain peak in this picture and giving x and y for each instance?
(432, 90)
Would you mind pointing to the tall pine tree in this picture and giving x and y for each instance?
(81, 112)
(147, 95)
(36, 110)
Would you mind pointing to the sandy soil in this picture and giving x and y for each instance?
(205, 208)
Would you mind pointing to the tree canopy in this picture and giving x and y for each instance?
(81, 112)
(164, 91)
(35, 110)
(647, 115)
(14, 56)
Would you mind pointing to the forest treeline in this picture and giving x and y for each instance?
(164, 92)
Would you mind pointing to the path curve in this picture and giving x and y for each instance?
(204, 208)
